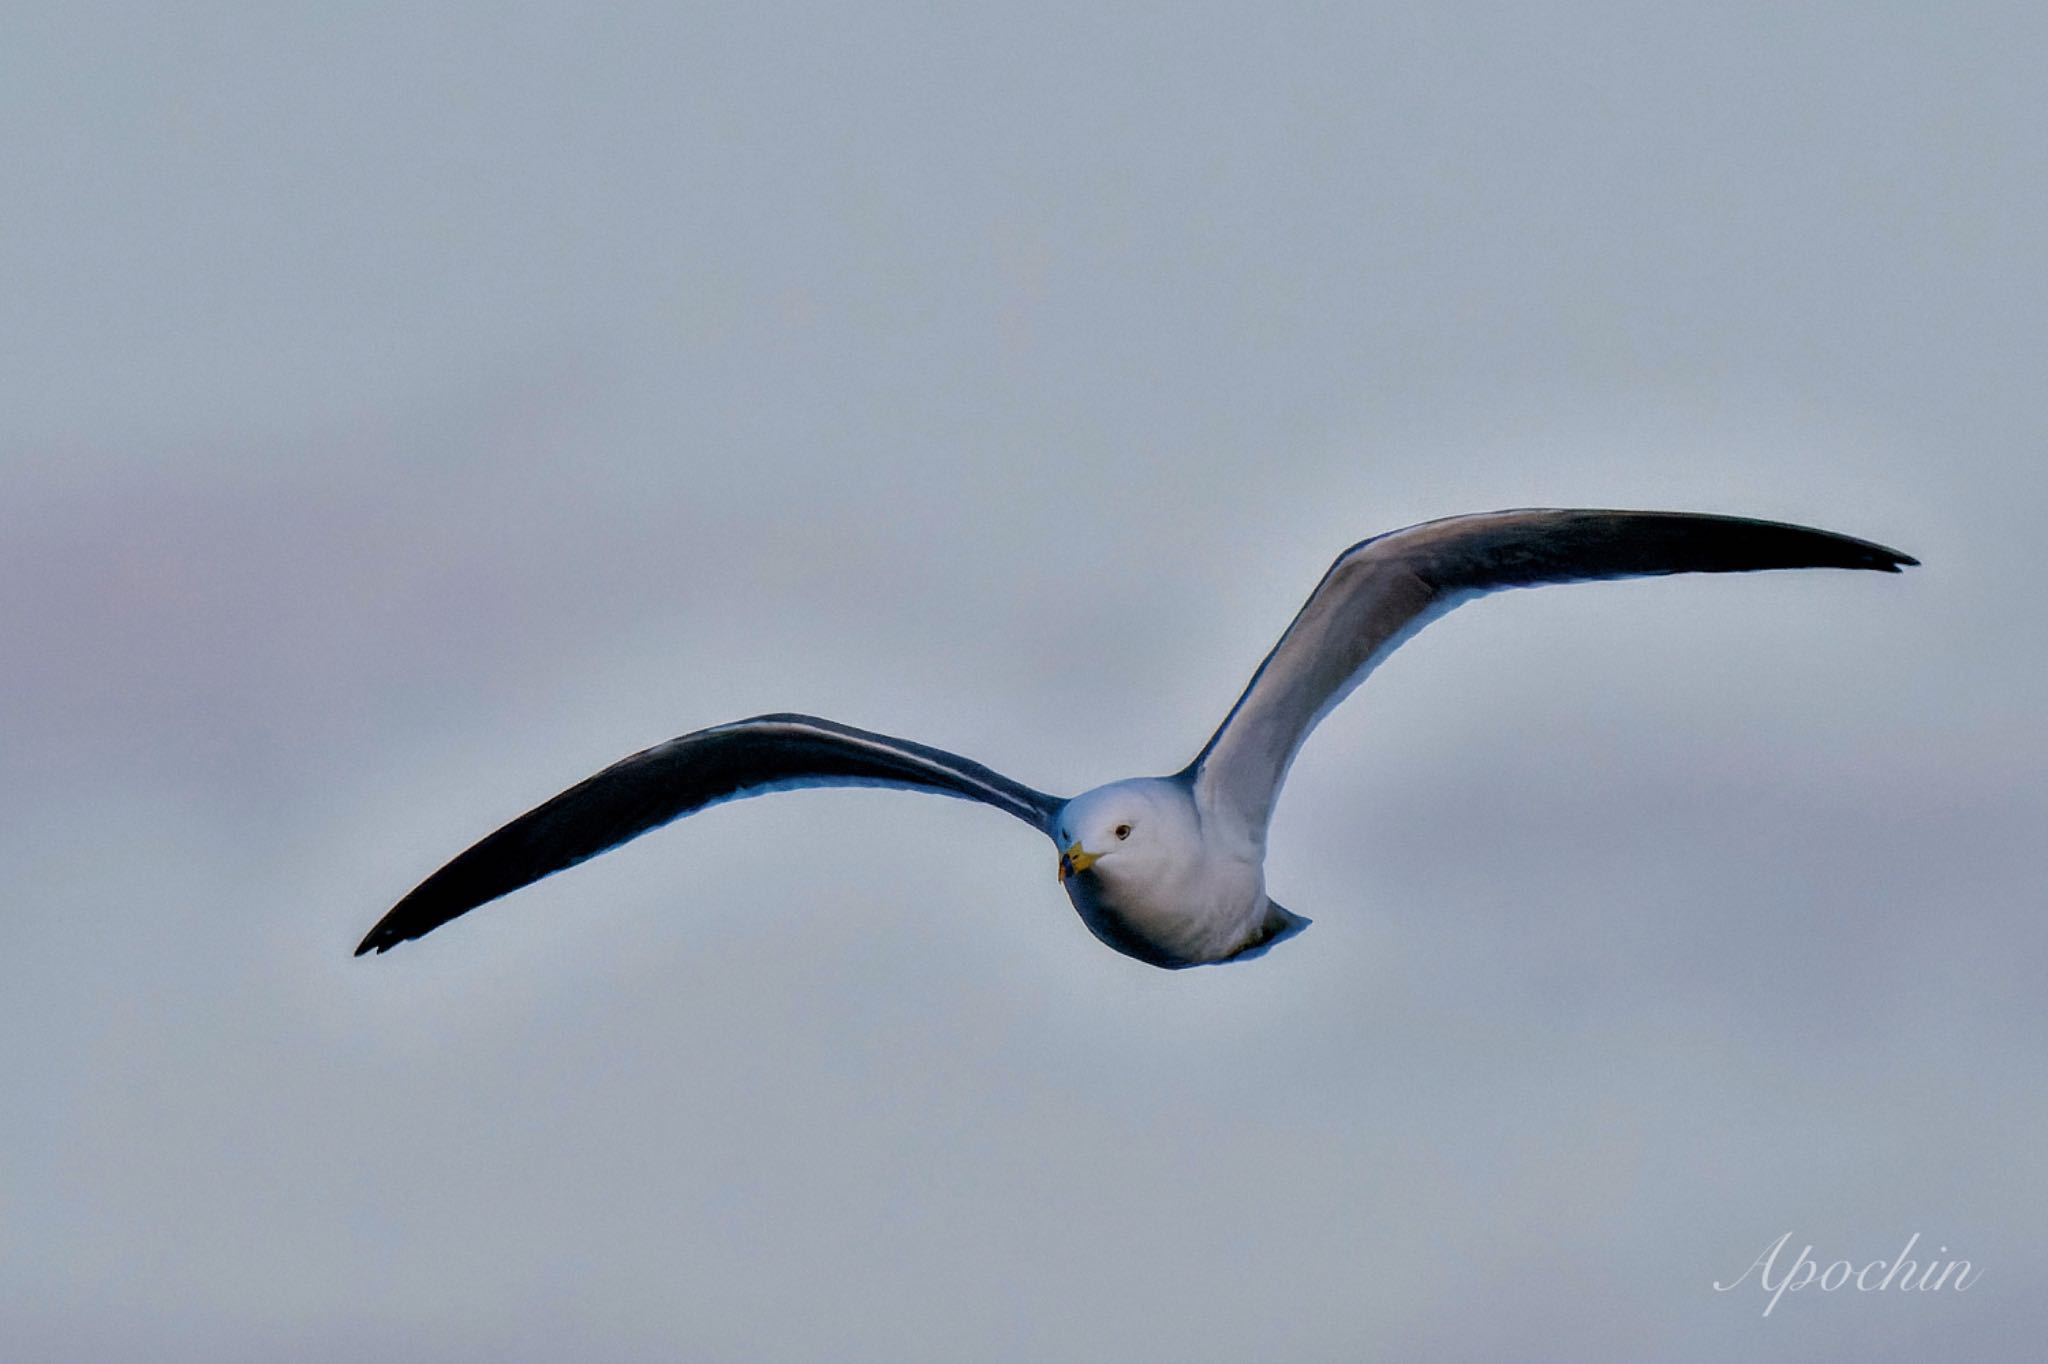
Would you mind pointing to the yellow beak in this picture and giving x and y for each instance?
(1073, 861)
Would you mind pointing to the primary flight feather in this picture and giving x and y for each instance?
(1170, 870)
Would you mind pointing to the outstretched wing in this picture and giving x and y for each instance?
(680, 777)
(1380, 592)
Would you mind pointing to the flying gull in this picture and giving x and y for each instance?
(1170, 870)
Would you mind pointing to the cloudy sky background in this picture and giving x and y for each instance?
(402, 416)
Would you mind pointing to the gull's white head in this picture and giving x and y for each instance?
(1125, 832)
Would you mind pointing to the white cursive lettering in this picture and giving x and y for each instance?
(1804, 1272)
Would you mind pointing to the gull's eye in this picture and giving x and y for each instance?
(1123, 831)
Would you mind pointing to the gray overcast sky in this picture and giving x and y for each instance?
(404, 415)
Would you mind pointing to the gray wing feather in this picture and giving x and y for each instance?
(1380, 592)
(680, 777)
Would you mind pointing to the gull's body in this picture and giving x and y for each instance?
(1182, 889)
(1169, 870)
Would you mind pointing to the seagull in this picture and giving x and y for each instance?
(1169, 870)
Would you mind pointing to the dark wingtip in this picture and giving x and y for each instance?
(380, 939)
(1855, 553)
(1864, 554)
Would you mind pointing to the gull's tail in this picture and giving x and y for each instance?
(1280, 925)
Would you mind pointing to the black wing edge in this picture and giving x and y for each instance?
(684, 775)
(1561, 546)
